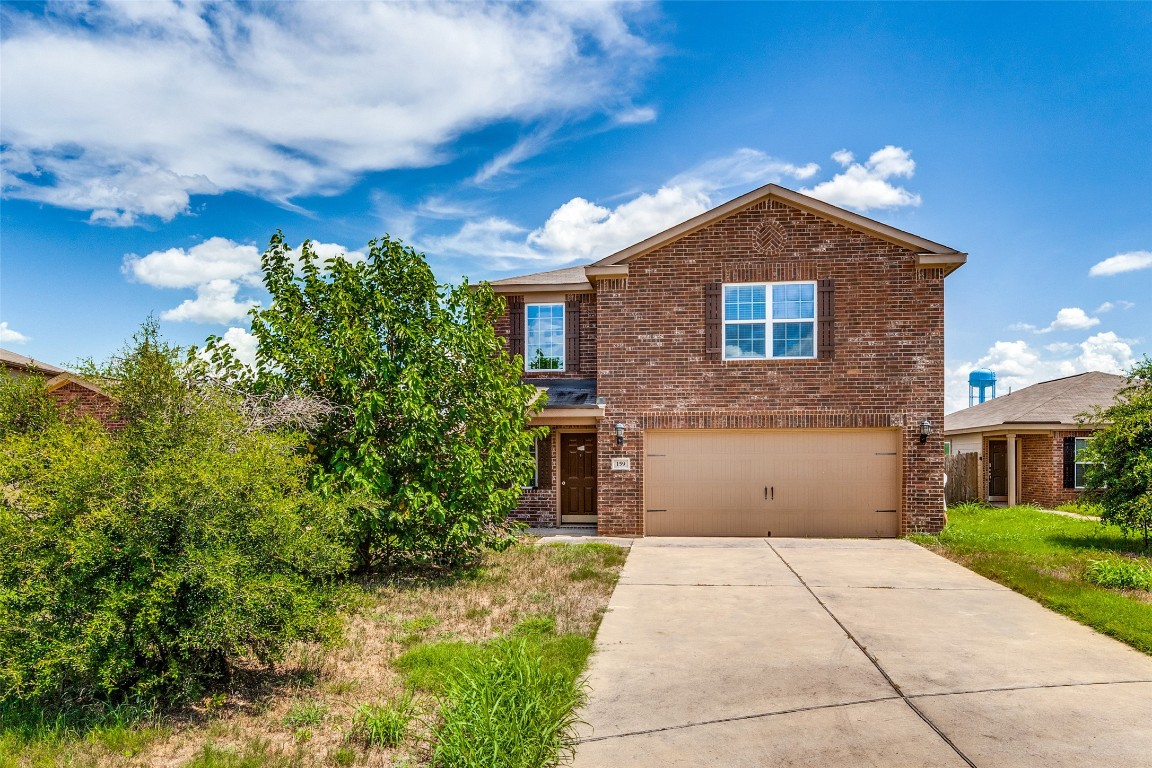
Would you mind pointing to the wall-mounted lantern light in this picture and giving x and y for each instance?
(925, 430)
(619, 433)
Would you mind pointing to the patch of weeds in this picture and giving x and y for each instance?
(477, 612)
(420, 623)
(499, 599)
(1086, 508)
(538, 597)
(342, 757)
(429, 667)
(384, 725)
(1119, 574)
(125, 740)
(507, 711)
(536, 625)
(305, 714)
(342, 687)
(256, 754)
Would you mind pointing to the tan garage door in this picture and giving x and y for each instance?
(772, 482)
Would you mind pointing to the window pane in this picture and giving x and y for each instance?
(792, 339)
(794, 301)
(745, 302)
(745, 340)
(544, 337)
(1080, 468)
(1081, 444)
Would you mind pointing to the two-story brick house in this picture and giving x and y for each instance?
(772, 367)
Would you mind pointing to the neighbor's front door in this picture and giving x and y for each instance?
(578, 478)
(997, 470)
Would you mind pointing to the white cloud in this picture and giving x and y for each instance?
(1108, 306)
(1122, 262)
(864, 186)
(1018, 365)
(1067, 318)
(216, 268)
(284, 99)
(636, 115)
(12, 336)
(244, 344)
(584, 230)
(217, 258)
(215, 302)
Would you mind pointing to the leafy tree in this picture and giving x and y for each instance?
(147, 562)
(1120, 475)
(427, 431)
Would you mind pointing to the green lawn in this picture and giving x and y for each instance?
(1047, 557)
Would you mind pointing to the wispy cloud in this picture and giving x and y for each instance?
(581, 229)
(11, 335)
(284, 99)
(865, 186)
(1122, 262)
(1108, 306)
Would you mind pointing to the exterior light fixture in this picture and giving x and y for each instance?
(619, 433)
(925, 430)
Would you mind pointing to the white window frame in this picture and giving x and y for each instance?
(563, 338)
(769, 322)
(1076, 463)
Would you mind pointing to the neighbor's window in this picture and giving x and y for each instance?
(765, 320)
(1081, 466)
(544, 337)
(535, 465)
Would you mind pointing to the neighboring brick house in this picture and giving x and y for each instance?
(70, 391)
(1028, 441)
(762, 369)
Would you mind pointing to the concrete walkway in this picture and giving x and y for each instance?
(829, 653)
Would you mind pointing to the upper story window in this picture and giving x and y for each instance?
(769, 320)
(544, 337)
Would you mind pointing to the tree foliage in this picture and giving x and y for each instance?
(1120, 475)
(147, 562)
(427, 431)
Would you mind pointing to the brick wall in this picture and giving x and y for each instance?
(1042, 469)
(537, 506)
(82, 400)
(587, 368)
(887, 370)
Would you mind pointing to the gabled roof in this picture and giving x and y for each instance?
(578, 278)
(11, 359)
(933, 254)
(1056, 402)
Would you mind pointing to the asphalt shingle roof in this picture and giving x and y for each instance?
(1058, 401)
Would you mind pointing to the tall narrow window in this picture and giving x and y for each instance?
(1081, 466)
(782, 313)
(544, 337)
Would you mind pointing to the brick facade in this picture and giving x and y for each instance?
(1040, 468)
(652, 369)
(75, 398)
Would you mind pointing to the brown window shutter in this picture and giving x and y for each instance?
(1069, 462)
(826, 319)
(544, 462)
(516, 325)
(572, 335)
(713, 321)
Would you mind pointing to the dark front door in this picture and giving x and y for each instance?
(577, 478)
(997, 469)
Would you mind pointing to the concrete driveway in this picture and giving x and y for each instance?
(801, 652)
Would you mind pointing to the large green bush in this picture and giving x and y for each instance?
(146, 563)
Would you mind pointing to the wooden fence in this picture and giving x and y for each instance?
(963, 471)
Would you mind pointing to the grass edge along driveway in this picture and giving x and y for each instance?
(1047, 557)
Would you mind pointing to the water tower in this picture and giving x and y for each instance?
(980, 381)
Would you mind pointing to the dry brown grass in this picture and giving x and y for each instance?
(570, 584)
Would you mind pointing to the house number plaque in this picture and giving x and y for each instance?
(619, 465)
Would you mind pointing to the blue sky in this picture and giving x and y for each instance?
(150, 150)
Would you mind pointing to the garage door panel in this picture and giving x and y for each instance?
(772, 482)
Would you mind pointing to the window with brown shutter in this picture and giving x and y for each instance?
(572, 335)
(826, 319)
(1069, 462)
(713, 323)
(516, 325)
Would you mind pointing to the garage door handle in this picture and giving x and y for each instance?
(766, 493)
(773, 493)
